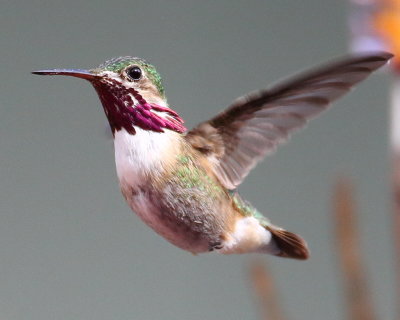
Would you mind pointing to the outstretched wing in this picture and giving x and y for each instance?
(240, 136)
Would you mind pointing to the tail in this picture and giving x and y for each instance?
(289, 245)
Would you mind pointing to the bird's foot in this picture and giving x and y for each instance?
(217, 245)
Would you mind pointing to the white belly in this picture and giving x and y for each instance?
(138, 157)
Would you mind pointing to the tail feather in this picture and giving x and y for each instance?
(290, 245)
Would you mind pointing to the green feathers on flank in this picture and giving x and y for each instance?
(191, 176)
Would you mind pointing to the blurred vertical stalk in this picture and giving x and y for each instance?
(395, 158)
(265, 292)
(357, 296)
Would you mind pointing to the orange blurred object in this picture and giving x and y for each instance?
(387, 24)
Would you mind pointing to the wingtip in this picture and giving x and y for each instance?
(387, 55)
(376, 56)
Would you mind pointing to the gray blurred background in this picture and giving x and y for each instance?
(70, 248)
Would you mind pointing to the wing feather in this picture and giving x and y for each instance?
(255, 124)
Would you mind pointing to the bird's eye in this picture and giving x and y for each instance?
(134, 73)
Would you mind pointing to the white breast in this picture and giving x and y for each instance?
(136, 156)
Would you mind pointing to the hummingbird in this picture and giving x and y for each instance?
(183, 183)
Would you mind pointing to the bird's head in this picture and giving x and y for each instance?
(131, 92)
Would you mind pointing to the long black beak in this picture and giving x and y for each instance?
(78, 73)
